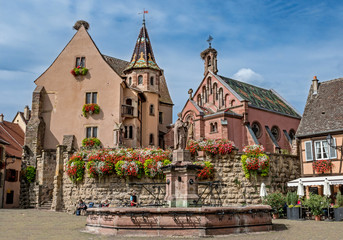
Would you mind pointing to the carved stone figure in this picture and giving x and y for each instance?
(180, 133)
(190, 129)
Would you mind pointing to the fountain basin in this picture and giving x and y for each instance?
(204, 221)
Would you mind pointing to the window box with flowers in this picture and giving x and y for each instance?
(79, 71)
(255, 161)
(322, 166)
(91, 108)
(207, 171)
(211, 147)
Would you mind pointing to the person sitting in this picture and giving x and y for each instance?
(133, 200)
(105, 204)
(81, 206)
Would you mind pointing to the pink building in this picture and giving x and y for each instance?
(222, 107)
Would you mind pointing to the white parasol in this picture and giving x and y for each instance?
(327, 190)
(263, 191)
(300, 191)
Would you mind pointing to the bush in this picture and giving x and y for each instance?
(276, 200)
(30, 174)
(91, 142)
(339, 200)
(316, 203)
(207, 172)
(291, 199)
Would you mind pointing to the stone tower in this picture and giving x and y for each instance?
(210, 60)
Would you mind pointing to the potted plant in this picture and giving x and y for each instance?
(276, 200)
(90, 109)
(293, 209)
(316, 204)
(79, 71)
(338, 208)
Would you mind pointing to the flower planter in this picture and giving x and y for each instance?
(294, 213)
(318, 218)
(338, 212)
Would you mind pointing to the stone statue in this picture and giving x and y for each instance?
(190, 129)
(180, 133)
(118, 131)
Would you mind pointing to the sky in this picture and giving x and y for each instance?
(273, 44)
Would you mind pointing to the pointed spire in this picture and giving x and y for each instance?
(143, 56)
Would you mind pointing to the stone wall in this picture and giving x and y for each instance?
(228, 169)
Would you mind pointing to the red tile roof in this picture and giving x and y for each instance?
(14, 135)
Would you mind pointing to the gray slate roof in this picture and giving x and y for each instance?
(116, 64)
(324, 111)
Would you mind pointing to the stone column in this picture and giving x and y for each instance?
(58, 179)
(182, 185)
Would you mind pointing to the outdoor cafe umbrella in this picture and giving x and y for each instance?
(327, 190)
(263, 191)
(300, 191)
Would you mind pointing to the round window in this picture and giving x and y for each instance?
(276, 133)
(256, 128)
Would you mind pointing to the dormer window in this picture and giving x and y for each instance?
(152, 81)
(140, 80)
(80, 61)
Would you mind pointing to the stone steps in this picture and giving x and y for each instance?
(46, 206)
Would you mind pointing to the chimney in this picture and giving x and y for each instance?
(315, 85)
(27, 113)
(1, 117)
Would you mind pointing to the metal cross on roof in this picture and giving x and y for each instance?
(209, 40)
(144, 12)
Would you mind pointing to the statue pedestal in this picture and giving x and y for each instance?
(182, 185)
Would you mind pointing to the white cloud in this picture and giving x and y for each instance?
(248, 75)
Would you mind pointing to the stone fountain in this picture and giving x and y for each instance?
(179, 218)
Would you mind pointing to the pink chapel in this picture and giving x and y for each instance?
(222, 107)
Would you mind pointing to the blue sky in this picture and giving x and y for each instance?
(272, 44)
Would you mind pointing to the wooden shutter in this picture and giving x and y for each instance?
(308, 151)
(333, 152)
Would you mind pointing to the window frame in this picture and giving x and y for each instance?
(152, 80)
(92, 128)
(91, 97)
(329, 148)
(140, 79)
(311, 151)
(80, 61)
(152, 110)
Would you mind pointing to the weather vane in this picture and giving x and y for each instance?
(209, 40)
(144, 12)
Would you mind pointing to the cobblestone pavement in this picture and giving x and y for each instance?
(17, 224)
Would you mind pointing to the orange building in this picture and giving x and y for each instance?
(222, 107)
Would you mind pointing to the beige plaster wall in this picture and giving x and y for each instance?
(65, 94)
(13, 186)
(150, 122)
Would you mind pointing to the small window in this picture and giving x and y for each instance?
(125, 132)
(276, 132)
(221, 98)
(9, 197)
(256, 128)
(91, 132)
(215, 92)
(129, 101)
(151, 81)
(204, 94)
(151, 139)
(130, 132)
(209, 85)
(308, 151)
(151, 110)
(91, 97)
(199, 100)
(232, 103)
(209, 61)
(80, 62)
(11, 175)
(160, 117)
(291, 134)
(324, 151)
(130, 81)
(140, 79)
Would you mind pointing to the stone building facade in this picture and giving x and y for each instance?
(135, 105)
(222, 107)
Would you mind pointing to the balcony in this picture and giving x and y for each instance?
(127, 110)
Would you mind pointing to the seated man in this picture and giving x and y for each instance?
(81, 206)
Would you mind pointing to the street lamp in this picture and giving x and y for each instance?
(331, 144)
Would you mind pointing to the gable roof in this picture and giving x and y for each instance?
(116, 64)
(323, 111)
(14, 135)
(260, 98)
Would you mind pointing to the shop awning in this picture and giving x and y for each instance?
(308, 181)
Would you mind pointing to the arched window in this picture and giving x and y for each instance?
(232, 102)
(221, 98)
(151, 139)
(140, 79)
(226, 100)
(151, 110)
(291, 134)
(216, 127)
(209, 61)
(125, 132)
(130, 81)
(209, 85)
(199, 100)
(151, 81)
(130, 132)
(129, 101)
(276, 132)
(204, 94)
(215, 92)
(256, 128)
